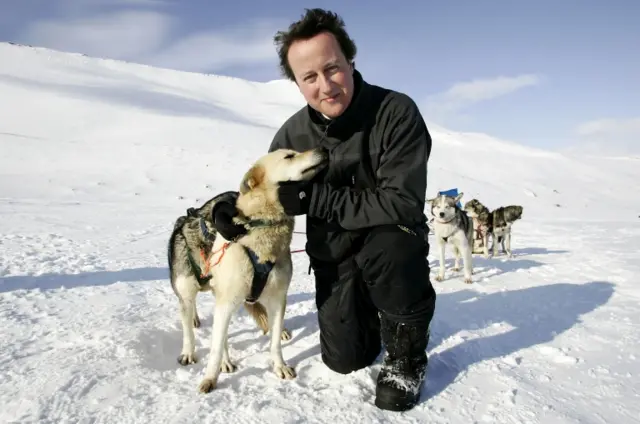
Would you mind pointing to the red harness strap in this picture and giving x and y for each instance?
(207, 263)
(480, 230)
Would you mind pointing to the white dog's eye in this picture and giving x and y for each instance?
(290, 156)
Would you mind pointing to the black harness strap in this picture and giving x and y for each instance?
(446, 239)
(197, 271)
(202, 280)
(205, 231)
(260, 275)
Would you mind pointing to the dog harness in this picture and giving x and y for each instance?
(261, 270)
(480, 230)
(199, 273)
(205, 252)
(457, 215)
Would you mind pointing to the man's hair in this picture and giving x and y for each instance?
(312, 23)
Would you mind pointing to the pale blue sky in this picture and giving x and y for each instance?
(546, 73)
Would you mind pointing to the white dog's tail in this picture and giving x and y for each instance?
(259, 315)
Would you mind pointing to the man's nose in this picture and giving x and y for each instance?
(326, 86)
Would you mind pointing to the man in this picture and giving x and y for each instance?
(364, 214)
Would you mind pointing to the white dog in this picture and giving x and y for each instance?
(255, 269)
(452, 225)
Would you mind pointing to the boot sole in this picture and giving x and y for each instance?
(395, 403)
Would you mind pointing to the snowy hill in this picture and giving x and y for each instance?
(98, 158)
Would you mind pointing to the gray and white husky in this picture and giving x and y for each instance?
(502, 220)
(452, 225)
(190, 244)
(482, 225)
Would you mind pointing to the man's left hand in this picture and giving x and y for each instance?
(295, 196)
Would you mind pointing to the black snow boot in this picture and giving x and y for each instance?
(404, 366)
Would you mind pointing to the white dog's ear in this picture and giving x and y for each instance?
(430, 201)
(458, 197)
(252, 179)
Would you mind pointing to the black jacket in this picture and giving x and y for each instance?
(377, 173)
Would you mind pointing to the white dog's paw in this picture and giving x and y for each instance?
(456, 268)
(284, 372)
(187, 358)
(207, 385)
(439, 277)
(468, 280)
(286, 335)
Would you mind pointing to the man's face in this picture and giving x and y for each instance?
(322, 73)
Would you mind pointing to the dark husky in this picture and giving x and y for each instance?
(502, 219)
(482, 225)
(496, 223)
(189, 245)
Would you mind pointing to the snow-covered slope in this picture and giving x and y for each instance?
(98, 158)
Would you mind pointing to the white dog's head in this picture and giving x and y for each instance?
(259, 187)
(283, 165)
(443, 207)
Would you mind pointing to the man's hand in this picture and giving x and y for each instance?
(295, 197)
(223, 213)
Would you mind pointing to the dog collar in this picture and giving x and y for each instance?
(256, 223)
(444, 222)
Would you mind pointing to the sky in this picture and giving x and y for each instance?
(552, 74)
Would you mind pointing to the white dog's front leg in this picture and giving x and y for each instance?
(221, 318)
(468, 258)
(441, 246)
(458, 255)
(507, 239)
(276, 315)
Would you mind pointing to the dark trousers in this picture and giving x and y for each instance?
(388, 275)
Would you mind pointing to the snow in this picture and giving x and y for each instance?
(98, 159)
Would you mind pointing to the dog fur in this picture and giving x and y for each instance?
(187, 239)
(482, 225)
(496, 223)
(503, 219)
(232, 270)
(452, 225)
